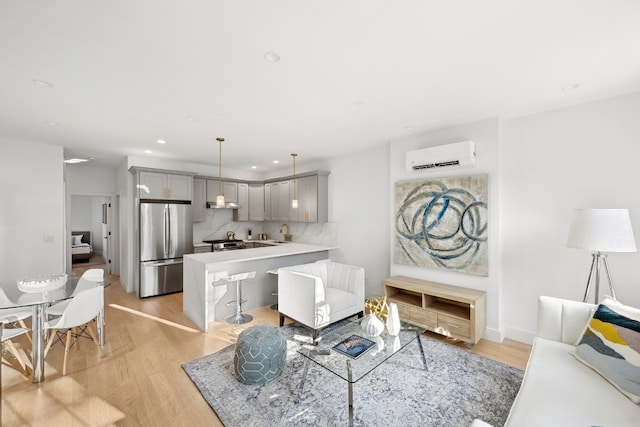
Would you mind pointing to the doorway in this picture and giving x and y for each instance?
(96, 218)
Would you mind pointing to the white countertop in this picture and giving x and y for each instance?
(239, 255)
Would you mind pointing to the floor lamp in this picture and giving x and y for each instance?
(601, 231)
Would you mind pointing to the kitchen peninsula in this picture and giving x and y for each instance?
(206, 299)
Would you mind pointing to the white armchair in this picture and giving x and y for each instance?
(320, 293)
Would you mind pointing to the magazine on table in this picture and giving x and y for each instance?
(354, 346)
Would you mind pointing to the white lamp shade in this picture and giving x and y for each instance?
(602, 230)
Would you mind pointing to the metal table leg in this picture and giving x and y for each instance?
(350, 388)
(304, 375)
(424, 359)
(38, 343)
(100, 326)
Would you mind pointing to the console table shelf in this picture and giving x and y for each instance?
(445, 309)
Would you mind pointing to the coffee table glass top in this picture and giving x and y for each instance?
(353, 369)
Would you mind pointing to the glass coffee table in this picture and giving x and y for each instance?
(353, 369)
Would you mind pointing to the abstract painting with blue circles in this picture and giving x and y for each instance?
(442, 223)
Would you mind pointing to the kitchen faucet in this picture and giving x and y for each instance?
(287, 236)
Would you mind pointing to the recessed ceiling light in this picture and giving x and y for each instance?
(409, 128)
(162, 141)
(148, 151)
(52, 123)
(271, 56)
(72, 161)
(191, 119)
(570, 87)
(43, 83)
(276, 161)
(254, 167)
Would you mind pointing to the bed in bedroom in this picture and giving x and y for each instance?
(81, 249)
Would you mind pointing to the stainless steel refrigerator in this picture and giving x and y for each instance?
(166, 234)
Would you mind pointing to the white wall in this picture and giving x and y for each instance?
(89, 180)
(32, 237)
(580, 157)
(486, 135)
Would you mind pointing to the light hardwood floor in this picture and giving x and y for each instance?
(140, 381)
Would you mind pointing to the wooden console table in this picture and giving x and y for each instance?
(448, 310)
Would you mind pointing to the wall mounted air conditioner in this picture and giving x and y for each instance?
(448, 156)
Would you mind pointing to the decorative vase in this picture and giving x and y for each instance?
(393, 320)
(372, 326)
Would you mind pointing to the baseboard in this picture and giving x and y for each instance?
(520, 335)
(494, 335)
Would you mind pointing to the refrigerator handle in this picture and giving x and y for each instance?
(169, 231)
(166, 231)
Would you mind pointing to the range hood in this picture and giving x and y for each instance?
(228, 205)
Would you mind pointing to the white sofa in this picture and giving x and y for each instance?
(559, 390)
(320, 293)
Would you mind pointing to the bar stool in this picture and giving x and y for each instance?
(273, 294)
(239, 318)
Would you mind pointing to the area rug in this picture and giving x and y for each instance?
(457, 387)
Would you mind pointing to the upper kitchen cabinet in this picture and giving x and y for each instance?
(280, 198)
(242, 213)
(267, 202)
(199, 207)
(312, 192)
(229, 189)
(256, 202)
(164, 186)
(251, 201)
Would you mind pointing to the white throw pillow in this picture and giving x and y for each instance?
(76, 240)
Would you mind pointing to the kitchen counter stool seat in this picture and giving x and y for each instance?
(239, 318)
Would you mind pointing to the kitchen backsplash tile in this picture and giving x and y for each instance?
(220, 221)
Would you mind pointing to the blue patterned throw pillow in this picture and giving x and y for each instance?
(610, 345)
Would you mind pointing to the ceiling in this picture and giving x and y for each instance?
(107, 79)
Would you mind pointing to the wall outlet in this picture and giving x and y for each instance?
(47, 238)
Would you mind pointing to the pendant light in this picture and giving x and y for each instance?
(294, 200)
(220, 198)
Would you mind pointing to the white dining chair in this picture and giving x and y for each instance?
(81, 310)
(87, 280)
(7, 335)
(14, 315)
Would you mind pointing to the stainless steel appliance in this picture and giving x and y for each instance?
(166, 234)
(225, 244)
(233, 244)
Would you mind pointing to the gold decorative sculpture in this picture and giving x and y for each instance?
(378, 307)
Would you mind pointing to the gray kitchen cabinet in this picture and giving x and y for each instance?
(251, 201)
(267, 201)
(229, 189)
(256, 202)
(312, 194)
(164, 186)
(242, 213)
(280, 201)
(199, 207)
